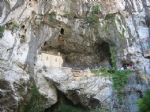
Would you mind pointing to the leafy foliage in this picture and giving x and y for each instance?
(102, 72)
(96, 9)
(36, 103)
(144, 103)
(110, 16)
(119, 78)
(93, 17)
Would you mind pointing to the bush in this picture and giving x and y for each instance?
(93, 17)
(36, 103)
(119, 78)
(102, 72)
(70, 108)
(96, 9)
(144, 103)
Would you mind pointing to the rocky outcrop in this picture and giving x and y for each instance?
(80, 89)
(13, 87)
(47, 40)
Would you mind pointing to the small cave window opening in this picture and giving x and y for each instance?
(62, 31)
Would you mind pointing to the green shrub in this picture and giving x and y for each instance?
(119, 78)
(69, 108)
(110, 16)
(1, 31)
(36, 102)
(96, 9)
(144, 103)
(93, 17)
(101, 72)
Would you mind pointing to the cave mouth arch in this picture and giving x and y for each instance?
(99, 56)
(104, 52)
(65, 104)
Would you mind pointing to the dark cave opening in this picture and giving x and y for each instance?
(147, 19)
(65, 105)
(62, 31)
(23, 26)
(99, 56)
(103, 50)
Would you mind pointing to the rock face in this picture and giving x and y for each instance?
(47, 40)
(80, 88)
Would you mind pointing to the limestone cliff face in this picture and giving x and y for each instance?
(46, 40)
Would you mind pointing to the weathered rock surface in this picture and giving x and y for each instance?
(64, 30)
(80, 88)
(13, 87)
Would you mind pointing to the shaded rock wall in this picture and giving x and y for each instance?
(84, 39)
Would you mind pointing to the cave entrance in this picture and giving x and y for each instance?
(65, 105)
(98, 55)
(62, 31)
(103, 50)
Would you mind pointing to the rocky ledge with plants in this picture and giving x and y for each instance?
(74, 55)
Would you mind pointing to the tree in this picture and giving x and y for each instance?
(144, 103)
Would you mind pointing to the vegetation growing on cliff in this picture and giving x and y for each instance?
(65, 105)
(69, 108)
(1, 31)
(93, 17)
(36, 102)
(12, 25)
(119, 78)
(113, 57)
(96, 9)
(144, 103)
